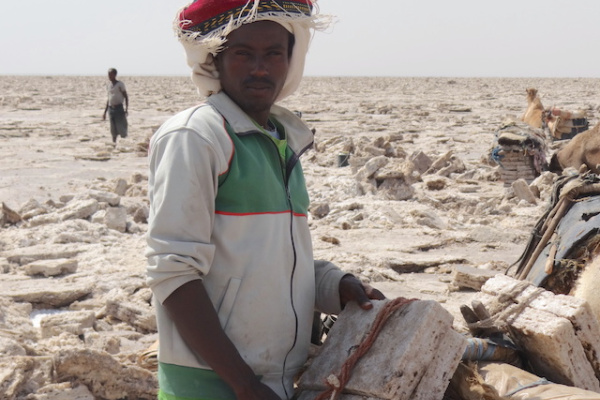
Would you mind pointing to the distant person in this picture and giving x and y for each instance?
(114, 105)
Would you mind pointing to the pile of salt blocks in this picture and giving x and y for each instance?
(558, 334)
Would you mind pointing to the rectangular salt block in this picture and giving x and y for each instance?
(399, 358)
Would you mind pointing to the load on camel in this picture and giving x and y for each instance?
(560, 124)
(520, 151)
(562, 255)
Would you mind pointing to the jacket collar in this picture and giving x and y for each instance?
(298, 135)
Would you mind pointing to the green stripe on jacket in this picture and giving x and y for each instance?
(256, 180)
(185, 383)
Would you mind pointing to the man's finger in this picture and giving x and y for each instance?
(373, 293)
(362, 297)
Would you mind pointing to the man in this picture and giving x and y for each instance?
(230, 258)
(114, 105)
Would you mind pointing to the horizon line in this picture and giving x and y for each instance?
(311, 76)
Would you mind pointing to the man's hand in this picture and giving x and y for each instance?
(351, 289)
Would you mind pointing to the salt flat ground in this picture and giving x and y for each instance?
(54, 142)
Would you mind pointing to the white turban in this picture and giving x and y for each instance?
(201, 48)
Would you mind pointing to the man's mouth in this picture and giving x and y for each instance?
(259, 85)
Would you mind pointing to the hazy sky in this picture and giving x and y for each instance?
(463, 38)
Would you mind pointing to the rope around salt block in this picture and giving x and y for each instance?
(338, 383)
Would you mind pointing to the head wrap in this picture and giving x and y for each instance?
(202, 28)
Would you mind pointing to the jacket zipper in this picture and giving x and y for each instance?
(286, 171)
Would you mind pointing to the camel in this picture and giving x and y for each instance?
(533, 116)
(588, 284)
(582, 153)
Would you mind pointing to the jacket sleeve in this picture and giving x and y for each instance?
(327, 284)
(183, 180)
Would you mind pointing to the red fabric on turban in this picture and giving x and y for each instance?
(204, 16)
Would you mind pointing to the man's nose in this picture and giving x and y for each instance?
(260, 66)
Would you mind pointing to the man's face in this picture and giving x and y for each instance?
(112, 75)
(254, 65)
